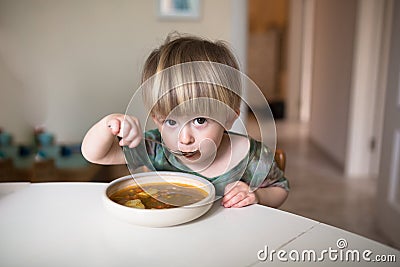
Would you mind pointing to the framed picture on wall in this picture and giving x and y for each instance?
(179, 9)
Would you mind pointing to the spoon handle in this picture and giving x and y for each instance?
(176, 152)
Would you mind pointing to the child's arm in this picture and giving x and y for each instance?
(272, 196)
(100, 144)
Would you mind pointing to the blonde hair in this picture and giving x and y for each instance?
(186, 68)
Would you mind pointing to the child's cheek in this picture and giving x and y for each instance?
(208, 146)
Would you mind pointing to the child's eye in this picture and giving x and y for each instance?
(199, 121)
(170, 122)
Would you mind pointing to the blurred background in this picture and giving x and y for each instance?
(328, 68)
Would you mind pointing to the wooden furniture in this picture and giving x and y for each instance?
(48, 171)
(43, 171)
(280, 159)
(6, 170)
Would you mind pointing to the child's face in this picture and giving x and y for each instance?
(189, 134)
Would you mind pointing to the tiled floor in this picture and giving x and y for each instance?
(318, 188)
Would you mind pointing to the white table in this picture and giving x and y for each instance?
(65, 224)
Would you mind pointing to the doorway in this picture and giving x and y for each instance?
(267, 52)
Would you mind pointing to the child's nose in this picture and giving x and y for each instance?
(185, 135)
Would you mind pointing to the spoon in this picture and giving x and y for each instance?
(175, 152)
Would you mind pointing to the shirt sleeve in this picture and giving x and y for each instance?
(262, 167)
(275, 177)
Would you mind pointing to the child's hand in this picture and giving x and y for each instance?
(127, 127)
(238, 195)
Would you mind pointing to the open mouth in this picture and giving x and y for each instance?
(192, 154)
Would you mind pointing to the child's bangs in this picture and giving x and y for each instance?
(177, 87)
(199, 99)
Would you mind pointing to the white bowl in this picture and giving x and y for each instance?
(159, 217)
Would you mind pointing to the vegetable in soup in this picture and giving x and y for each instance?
(158, 195)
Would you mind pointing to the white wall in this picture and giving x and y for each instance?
(11, 112)
(65, 64)
(294, 64)
(333, 56)
(368, 88)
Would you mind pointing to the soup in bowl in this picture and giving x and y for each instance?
(159, 199)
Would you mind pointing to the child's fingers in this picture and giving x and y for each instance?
(125, 128)
(231, 186)
(230, 192)
(114, 125)
(129, 129)
(135, 142)
(237, 195)
(131, 140)
(233, 200)
(130, 132)
(248, 200)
